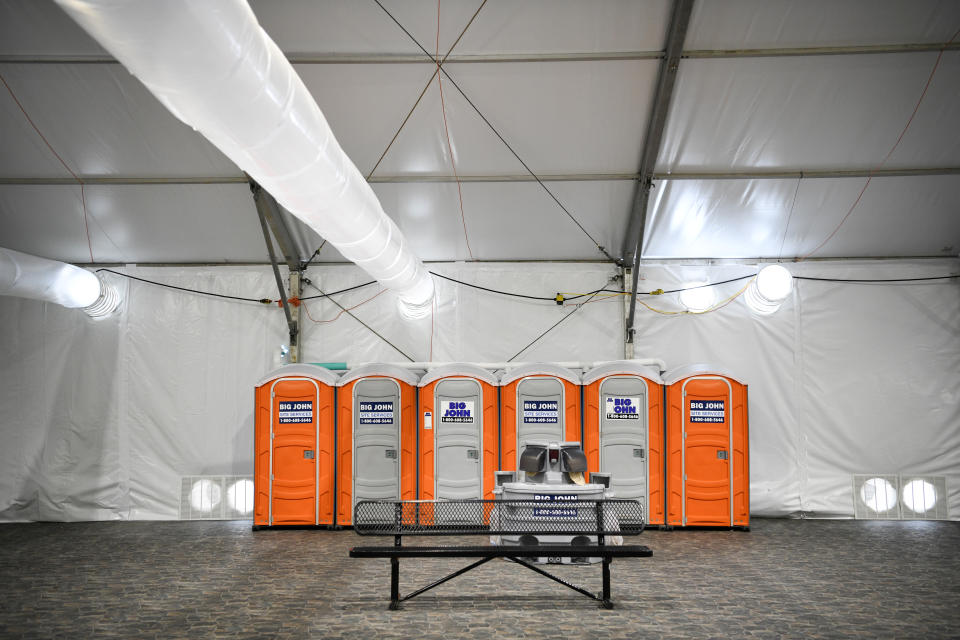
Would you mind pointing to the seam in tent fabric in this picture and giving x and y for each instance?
(557, 323)
(896, 144)
(453, 163)
(425, 87)
(349, 313)
(83, 196)
(497, 133)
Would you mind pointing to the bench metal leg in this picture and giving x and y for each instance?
(547, 574)
(606, 602)
(394, 584)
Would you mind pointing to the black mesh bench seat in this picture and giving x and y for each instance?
(522, 520)
(487, 551)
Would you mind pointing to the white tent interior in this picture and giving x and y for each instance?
(822, 135)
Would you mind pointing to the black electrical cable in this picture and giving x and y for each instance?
(699, 286)
(333, 293)
(347, 311)
(865, 281)
(497, 133)
(552, 327)
(221, 295)
(505, 293)
(170, 286)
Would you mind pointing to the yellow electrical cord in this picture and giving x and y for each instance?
(658, 292)
(716, 307)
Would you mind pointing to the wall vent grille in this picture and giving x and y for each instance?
(900, 497)
(216, 498)
(923, 497)
(875, 497)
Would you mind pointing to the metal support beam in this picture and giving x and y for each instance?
(260, 198)
(306, 58)
(633, 241)
(743, 174)
(270, 209)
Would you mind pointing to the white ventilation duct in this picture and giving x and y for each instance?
(769, 289)
(212, 65)
(27, 276)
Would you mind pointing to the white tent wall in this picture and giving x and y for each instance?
(100, 419)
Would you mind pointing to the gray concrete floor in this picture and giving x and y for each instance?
(782, 579)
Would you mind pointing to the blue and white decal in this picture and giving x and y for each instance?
(622, 407)
(555, 511)
(706, 411)
(376, 413)
(541, 412)
(295, 412)
(460, 411)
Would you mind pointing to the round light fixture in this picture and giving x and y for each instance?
(205, 495)
(919, 496)
(878, 494)
(769, 289)
(697, 297)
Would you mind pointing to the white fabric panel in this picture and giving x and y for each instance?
(897, 216)
(39, 27)
(144, 223)
(99, 420)
(843, 379)
(537, 26)
(102, 121)
(759, 350)
(812, 113)
(508, 220)
(755, 24)
(597, 128)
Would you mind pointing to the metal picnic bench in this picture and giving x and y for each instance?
(524, 519)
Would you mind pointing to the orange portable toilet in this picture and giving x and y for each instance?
(538, 403)
(623, 431)
(708, 464)
(458, 433)
(293, 444)
(376, 437)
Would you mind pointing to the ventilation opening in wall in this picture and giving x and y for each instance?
(923, 497)
(216, 498)
(903, 497)
(875, 497)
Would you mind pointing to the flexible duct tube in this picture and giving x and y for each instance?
(26, 276)
(212, 65)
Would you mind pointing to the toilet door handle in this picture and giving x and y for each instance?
(723, 455)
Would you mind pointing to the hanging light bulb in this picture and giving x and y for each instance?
(769, 289)
(697, 297)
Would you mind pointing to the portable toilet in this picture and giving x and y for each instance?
(623, 431)
(708, 464)
(376, 437)
(293, 462)
(458, 433)
(538, 403)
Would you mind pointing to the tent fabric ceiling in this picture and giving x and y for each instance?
(583, 119)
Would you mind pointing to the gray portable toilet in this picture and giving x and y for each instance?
(376, 437)
(538, 403)
(458, 437)
(623, 431)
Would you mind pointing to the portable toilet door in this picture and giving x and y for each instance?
(294, 447)
(376, 437)
(708, 464)
(538, 403)
(623, 431)
(458, 435)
